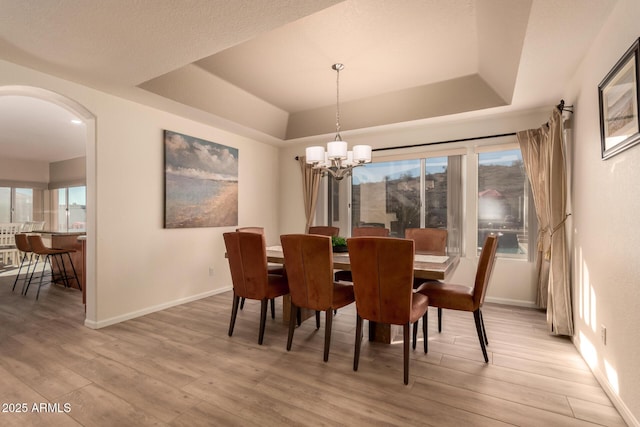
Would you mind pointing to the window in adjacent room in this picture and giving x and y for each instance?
(16, 204)
(70, 205)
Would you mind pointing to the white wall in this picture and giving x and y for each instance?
(512, 280)
(141, 267)
(606, 234)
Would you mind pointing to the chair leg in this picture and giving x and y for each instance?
(317, 319)
(327, 331)
(292, 325)
(415, 333)
(46, 258)
(24, 259)
(234, 312)
(241, 303)
(299, 317)
(26, 284)
(62, 270)
(484, 330)
(439, 319)
(405, 333)
(263, 319)
(273, 308)
(425, 334)
(356, 353)
(24, 256)
(478, 318)
(75, 274)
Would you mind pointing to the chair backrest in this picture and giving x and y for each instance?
(248, 263)
(258, 230)
(485, 268)
(7, 231)
(308, 260)
(22, 243)
(432, 240)
(324, 230)
(29, 226)
(370, 231)
(382, 271)
(36, 243)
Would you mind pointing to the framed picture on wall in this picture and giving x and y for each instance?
(200, 182)
(618, 96)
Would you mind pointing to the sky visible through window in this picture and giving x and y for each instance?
(77, 196)
(503, 158)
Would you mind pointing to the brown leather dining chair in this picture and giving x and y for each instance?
(248, 264)
(370, 231)
(308, 259)
(431, 240)
(273, 269)
(434, 242)
(466, 298)
(324, 230)
(385, 294)
(345, 275)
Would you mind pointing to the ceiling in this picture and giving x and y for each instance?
(265, 66)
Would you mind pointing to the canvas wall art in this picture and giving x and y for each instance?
(201, 182)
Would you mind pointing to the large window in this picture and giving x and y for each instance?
(503, 201)
(470, 199)
(410, 194)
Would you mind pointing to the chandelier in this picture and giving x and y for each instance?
(337, 161)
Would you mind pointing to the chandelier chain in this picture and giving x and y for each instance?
(338, 67)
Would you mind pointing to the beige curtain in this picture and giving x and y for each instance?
(543, 153)
(310, 184)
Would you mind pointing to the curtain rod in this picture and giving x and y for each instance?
(445, 142)
(440, 142)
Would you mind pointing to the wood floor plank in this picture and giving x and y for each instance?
(154, 397)
(600, 414)
(499, 409)
(38, 371)
(95, 406)
(591, 393)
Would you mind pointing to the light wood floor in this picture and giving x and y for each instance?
(178, 367)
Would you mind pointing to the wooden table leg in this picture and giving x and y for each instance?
(380, 332)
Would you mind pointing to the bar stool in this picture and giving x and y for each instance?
(22, 244)
(39, 249)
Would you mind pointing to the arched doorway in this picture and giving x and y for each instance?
(89, 121)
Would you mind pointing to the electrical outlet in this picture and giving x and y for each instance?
(210, 271)
(603, 334)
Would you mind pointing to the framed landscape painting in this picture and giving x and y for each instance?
(200, 182)
(618, 96)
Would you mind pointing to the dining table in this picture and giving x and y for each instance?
(426, 266)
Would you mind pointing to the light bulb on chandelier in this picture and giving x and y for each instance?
(337, 161)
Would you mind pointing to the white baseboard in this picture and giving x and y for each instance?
(132, 315)
(516, 302)
(625, 413)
